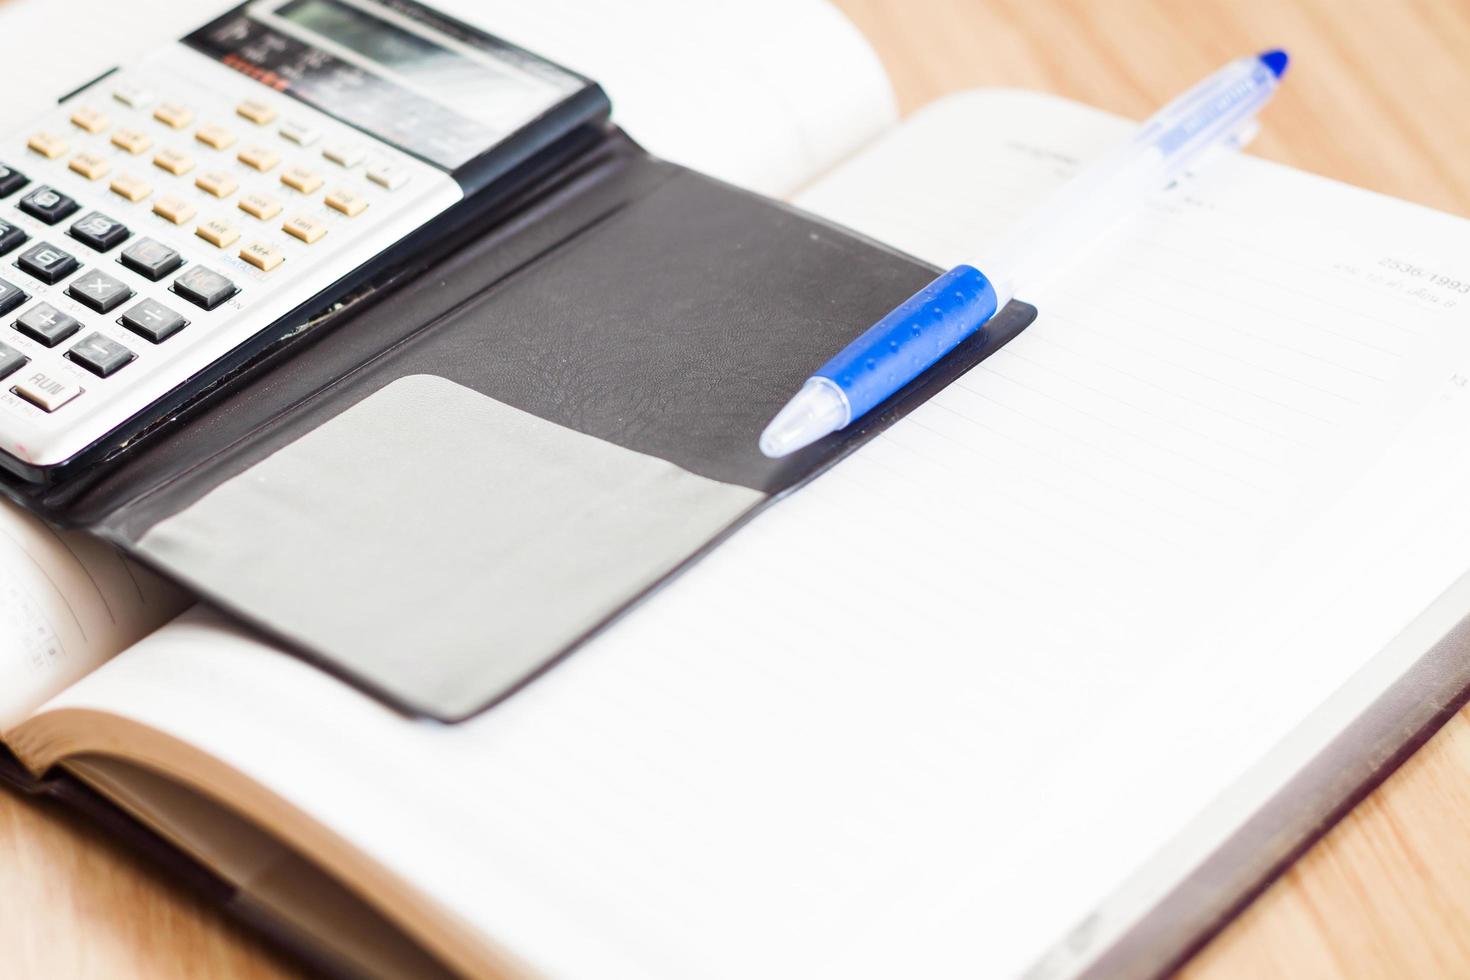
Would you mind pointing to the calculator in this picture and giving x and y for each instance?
(175, 217)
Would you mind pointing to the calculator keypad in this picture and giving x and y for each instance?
(160, 218)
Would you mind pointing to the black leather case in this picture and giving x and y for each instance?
(608, 349)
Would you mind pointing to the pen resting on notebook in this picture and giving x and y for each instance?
(1220, 111)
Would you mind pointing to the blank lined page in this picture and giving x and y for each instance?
(925, 715)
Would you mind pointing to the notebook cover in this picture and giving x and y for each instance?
(1168, 910)
(163, 858)
(1144, 930)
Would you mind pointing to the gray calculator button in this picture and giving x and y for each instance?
(99, 291)
(11, 180)
(45, 391)
(47, 324)
(204, 288)
(10, 296)
(46, 262)
(100, 355)
(151, 319)
(11, 238)
(152, 259)
(11, 360)
(99, 231)
(48, 204)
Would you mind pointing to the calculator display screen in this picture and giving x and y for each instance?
(434, 87)
(372, 36)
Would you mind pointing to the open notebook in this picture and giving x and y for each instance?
(1045, 679)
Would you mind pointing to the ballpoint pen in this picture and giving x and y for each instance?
(1218, 111)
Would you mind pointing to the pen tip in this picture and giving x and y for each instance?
(1276, 60)
(818, 408)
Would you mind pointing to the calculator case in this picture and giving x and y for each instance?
(475, 464)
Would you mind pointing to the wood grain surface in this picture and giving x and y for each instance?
(1377, 98)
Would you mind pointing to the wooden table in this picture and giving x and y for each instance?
(1377, 99)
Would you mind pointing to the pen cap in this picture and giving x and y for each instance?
(916, 334)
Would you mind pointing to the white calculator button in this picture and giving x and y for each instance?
(135, 141)
(174, 209)
(343, 154)
(259, 158)
(220, 234)
(217, 137)
(307, 229)
(301, 179)
(257, 112)
(299, 133)
(173, 161)
(47, 392)
(261, 206)
(49, 145)
(387, 175)
(90, 119)
(346, 201)
(216, 182)
(133, 96)
(262, 256)
(89, 165)
(130, 187)
(173, 115)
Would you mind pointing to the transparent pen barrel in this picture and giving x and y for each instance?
(1113, 187)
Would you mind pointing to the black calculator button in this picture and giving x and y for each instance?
(149, 258)
(11, 360)
(48, 204)
(11, 180)
(10, 296)
(100, 355)
(99, 291)
(47, 324)
(204, 288)
(11, 238)
(151, 319)
(47, 263)
(99, 231)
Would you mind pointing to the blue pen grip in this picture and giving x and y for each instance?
(899, 347)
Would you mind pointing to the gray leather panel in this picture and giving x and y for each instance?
(450, 544)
